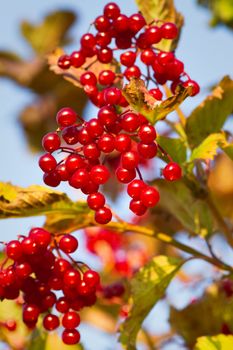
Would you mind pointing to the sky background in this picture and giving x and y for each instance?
(207, 54)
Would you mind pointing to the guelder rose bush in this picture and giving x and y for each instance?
(127, 67)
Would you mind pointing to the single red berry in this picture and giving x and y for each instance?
(130, 122)
(14, 250)
(84, 137)
(150, 196)
(111, 10)
(128, 58)
(64, 62)
(99, 174)
(10, 325)
(30, 313)
(66, 117)
(70, 336)
(148, 56)
(112, 95)
(103, 215)
(125, 175)
(92, 278)
(90, 187)
(23, 270)
(103, 39)
(165, 58)
(40, 236)
(90, 90)
(62, 265)
(52, 179)
(121, 23)
(94, 128)
(88, 78)
(87, 41)
(77, 59)
(47, 162)
(106, 143)
(147, 133)
(137, 207)
(135, 188)
(102, 23)
(172, 171)
(51, 142)
(70, 135)
(147, 150)
(68, 244)
(73, 163)
(169, 30)
(62, 172)
(174, 69)
(123, 42)
(105, 55)
(122, 143)
(84, 289)
(132, 72)
(156, 93)
(136, 22)
(51, 322)
(153, 35)
(79, 178)
(141, 42)
(130, 160)
(70, 320)
(71, 278)
(107, 115)
(49, 300)
(106, 77)
(62, 305)
(29, 246)
(96, 200)
(91, 151)
(194, 85)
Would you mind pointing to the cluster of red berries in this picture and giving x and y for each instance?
(89, 143)
(39, 271)
(137, 40)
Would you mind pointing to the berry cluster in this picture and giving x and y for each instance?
(39, 271)
(117, 32)
(89, 143)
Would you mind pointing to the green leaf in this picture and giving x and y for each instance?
(139, 99)
(210, 116)
(208, 148)
(46, 36)
(147, 287)
(222, 11)
(61, 212)
(37, 340)
(218, 342)
(163, 10)
(174, 147)
(178, 199)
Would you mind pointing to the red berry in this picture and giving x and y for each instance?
(105, 55)
(87, 41)
(125, 175)
(121, 23)
(94, 128)
(156, 93)
(147, 133)
(90, 187)
(122, 143)
(10, 325)
(47, 162)
(51, 142)
(106, 143)
(150, 196)
(147, 151)
(51, 322)
(137, 207)
(52, 179)
(136, 22)
(123, 42)
(130, 122)
(112, 95)
(91, 151)
(88, 78)
(64, 62)
(107, 115)
(23, 270)
(14, 250)
(73, 163)
(70, 320)
(62, 305)
(132, 72)
(130, 160)
(79, 178)
(71, 278)
(169, 31)
(40, 236)
(29, 246)
(106, 77)
(172, 172)
(153, 35)
(99, 174)
(96, 200)
(92, 278)
(148, 56)
(165, 58)
(103, 39)
(30, 313)
(68, 244)
(84, 137)
(111, 10)
(70, 336)
(77, 59)
(102, 23)
(135, 188)
(128, 58)
(66, 117)
(194, 85)
(70, 135)
(62, 265)
(103, 215)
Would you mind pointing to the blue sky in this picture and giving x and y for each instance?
(207, 54)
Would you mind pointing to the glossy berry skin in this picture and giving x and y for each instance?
(136, 22)
(106, 77)
(105, 55)
(70, 320)
(194, 85)
(99, 174)
(148, 56)
(50, 322)
(147, 151)
(96, 200)
(156, 93)
(68, 244)
(147, 133)
(87, 41)
(128, 58)
(40, 236)
(102, 23)
(62, 305)
(130, 122)
(153, 35)
(150, 196)
(132, 72)
(135, 188)
(121, 23)
(137, 207)
(70, 336)
(103, 39)
(94, 128)
(51, 142)
(71, 278)
(66, 117)
(130, 160)
(30, 313)
(169, 30)
(107, 115)
(103, 215)
(47, 162)
(74, 162)
(70, 135)
(172, 171)
(125, 175)
(77, 59)
(111, 10)
(88, 78)
(23, 270)
(91, 151)
(122, 143)
(106, 143)
(92, 278)
(64, 62)
(112, 95)
(14, 250)
(52, 179)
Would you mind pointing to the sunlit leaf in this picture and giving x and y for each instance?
(139, 99)
(52, 32)
(147, 287)
(222, 11)
(218, 342)
(163, 10)
(208, 148)
(174, 147)
(210, 116)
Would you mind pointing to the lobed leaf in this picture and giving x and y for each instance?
(218, 342)
(147, 287)
(139, 99)
(208, 148)
(210, 116)
(164, 10)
